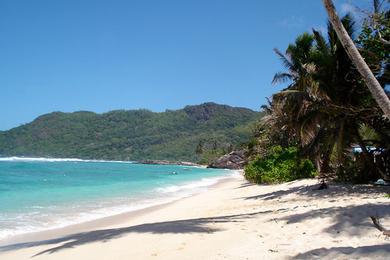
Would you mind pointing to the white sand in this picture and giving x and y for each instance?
(233, 220)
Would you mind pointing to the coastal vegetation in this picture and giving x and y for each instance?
(197, 133)
(326, 110)
(371, 82)
(279, 165)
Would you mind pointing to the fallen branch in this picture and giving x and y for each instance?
(375, 220)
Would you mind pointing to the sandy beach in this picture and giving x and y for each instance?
(232, 220)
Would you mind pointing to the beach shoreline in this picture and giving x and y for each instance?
(231, 220)
(70, 191)
(113, 219)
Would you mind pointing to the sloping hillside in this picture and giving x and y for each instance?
(194, 133)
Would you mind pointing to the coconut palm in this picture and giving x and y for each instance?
(372, 83)
(325, 102)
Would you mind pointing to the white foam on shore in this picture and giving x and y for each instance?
(160, 196)
(203, 183)
(43, 159)
(77, 217)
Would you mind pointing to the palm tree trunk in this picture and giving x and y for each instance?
(372, 83)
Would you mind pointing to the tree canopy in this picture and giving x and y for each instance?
(134, 134)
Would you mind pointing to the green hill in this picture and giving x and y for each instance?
(195, 133)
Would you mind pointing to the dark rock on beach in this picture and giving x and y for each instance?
(234, 160)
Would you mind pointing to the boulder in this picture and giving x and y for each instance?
(234, 160)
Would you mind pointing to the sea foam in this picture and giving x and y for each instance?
(37, 216)
(44, 159)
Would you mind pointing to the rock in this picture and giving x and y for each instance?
(234, 160)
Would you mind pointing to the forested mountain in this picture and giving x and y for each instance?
(195, 133)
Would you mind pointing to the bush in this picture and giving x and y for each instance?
(356, 170)
(279, 165)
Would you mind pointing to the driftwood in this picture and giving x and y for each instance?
(375, 220)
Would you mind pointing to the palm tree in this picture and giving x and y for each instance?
(288, 103)
(372, 83)
(326, 101)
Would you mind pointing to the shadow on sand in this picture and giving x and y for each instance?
(369, 252)
(351, 220)
(198, 225)
(245, 184)
(334, 191)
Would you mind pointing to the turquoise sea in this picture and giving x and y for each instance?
(39, 194)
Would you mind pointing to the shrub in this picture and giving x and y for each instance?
(356, 170)
(279, 165)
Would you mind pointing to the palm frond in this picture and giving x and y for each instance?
(321, 42)
(349, 24)
(310, 124)
(367, 133)
(285, 59)
(281, 77)
(377, 5)
(288, 91)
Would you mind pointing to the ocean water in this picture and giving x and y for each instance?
(39, 194)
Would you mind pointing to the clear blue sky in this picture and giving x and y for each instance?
(95, 55)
